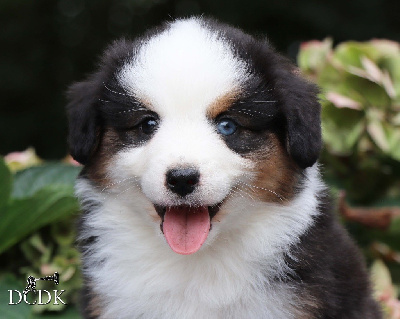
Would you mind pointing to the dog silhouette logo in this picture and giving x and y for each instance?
(39, 295)
(32, 282)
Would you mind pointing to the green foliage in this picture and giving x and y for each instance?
(22, 310)
(9, 282)
(37, 211)
(38, 198)
(5, 184)
(27, 182)
(360, 115)
(360, 99)
(45, 256)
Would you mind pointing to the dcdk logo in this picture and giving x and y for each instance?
(39, 295)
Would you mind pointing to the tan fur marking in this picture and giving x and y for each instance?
(221, 104)
(153, 214)
(309, 306)
(94, 307)
(276, 173)
(220, 215)
(97, 168)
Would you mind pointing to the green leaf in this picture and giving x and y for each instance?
(313, 55)
(395, 226)
(344, 84)
(23, 216)
(387, 137)
(29, 181)
(364, 91)
(330, 77)
(20, 311)
(341, 101)
(68, 313)
(381, 278)
(349, 53)
(377, 133)
(392, 65)
(5, 183)
(23, 310)
(386, 48)
(393, 136)
(341, 128)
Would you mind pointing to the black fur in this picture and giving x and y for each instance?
(85, 99)
(328, 272)
(88, 107)
(295, 95)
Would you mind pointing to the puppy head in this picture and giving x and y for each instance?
(193, 117)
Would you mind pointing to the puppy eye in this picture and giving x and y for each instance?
(149, 125)
(226, 127)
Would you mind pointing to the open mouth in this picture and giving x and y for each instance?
(186, 228)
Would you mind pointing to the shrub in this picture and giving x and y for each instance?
(360, 97)
(361, 113)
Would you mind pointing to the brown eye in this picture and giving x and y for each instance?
(149, 125)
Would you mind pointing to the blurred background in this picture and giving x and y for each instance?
(47, 45)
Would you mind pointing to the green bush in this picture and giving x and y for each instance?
(37, 211)
(361, 118)
(360, 97)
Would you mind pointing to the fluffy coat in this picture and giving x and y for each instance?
(198, 94)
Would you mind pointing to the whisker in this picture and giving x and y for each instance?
(262, 91)
(248, 194)
(132, 110)
(241, 191)
(128, 188)
(134, 178)
(236, 190)
(282, 198)
(116, 195)
(252, 93)
(112, 91)
(248, 102)
(245, 111)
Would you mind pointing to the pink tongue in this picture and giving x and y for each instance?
(186, 229)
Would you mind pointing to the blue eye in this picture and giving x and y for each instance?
(149, 125)
(226, 127)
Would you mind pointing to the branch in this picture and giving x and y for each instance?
(379, 217)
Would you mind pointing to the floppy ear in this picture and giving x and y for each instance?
(303, 119)
(84, 128)
(84, 117)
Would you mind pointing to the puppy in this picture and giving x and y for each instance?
(201, 195)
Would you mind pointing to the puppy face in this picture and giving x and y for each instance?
(193, 118)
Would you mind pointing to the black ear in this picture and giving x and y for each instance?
(84, 128)
(303, 118)
(83, 114)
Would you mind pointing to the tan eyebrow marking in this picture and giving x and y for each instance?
(222, 103)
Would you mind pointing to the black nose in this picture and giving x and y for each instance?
(182, 181)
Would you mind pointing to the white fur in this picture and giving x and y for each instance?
(186, 66)
(139, 276)
(179, 74)
(179, 142)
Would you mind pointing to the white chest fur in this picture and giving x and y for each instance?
(137, 275)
